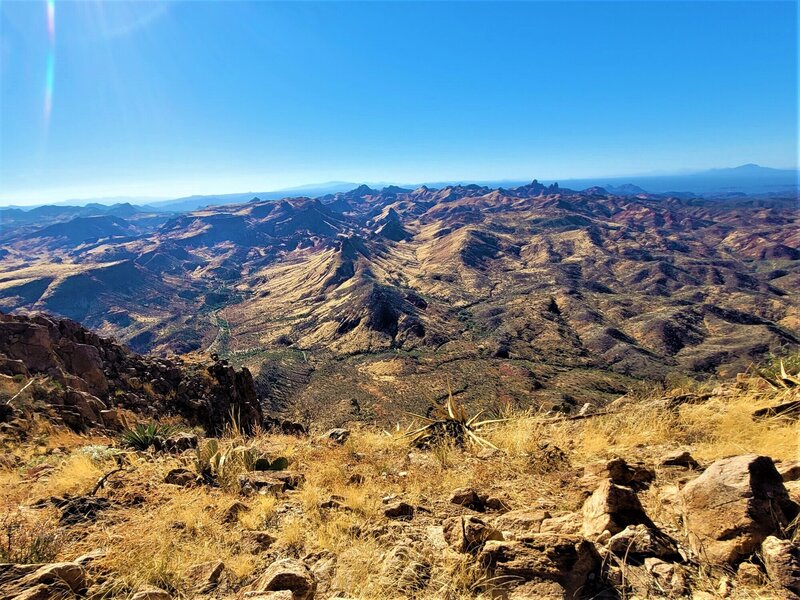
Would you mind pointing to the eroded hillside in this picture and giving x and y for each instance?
(368, 302)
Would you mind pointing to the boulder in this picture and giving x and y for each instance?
(402, 511)
(781, 560)
(790, 471)
(670, 579)
(611, 508)
(468, 498)
(793, 489)
(636, 542)
(523, 521)
(537, 590)
(494, 503)
(679, 458)
(71, 574)
(21, 339)
(204, 576)
(151, 593)
(112, 419)
(13, 367)
(182, 477)
(261, 482)
(89, 407)
(287, 574)
(42, 581)
(636, 475)
(749, 573)
(39, 591)
(85, 361)
(734, 506)
(232, 512)
(544, 559)
(563, 524)
(338, 435)
(468, 534)
(291, 479)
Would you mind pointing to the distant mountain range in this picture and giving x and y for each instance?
(744, 179)
(370, 298)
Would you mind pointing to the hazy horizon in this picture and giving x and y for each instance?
(168, 100)
(141, 200)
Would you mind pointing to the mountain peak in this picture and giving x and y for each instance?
(363, 190)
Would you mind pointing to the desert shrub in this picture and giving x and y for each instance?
(24, 541)
(222, 464)
(99, 452)
(450, 424)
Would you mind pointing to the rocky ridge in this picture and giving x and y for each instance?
(99, 380)
(540, 509)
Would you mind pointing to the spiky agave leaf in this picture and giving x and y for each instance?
(454, 426)
(791, 380)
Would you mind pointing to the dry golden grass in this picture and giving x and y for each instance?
(76, 475)
(156, 531)
(722, 426)
(155, 545)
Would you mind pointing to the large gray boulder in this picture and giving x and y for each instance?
(734, 506)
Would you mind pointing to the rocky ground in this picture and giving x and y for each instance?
(666, 494)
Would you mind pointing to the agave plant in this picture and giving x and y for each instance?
(450, 424)
(143, 436)
(782, 379)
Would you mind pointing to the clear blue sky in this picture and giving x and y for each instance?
(151, 99)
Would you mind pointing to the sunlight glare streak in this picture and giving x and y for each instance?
(51, 60)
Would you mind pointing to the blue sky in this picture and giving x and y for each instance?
(165, 100)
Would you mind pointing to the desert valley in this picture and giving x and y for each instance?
(372, 300)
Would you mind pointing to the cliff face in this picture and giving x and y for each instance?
(96, 376)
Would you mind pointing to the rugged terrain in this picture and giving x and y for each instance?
(682, 493)
(370, 302)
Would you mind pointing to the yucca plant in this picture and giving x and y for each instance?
(451, 425)
(143, 436)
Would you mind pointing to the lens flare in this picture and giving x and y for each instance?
(51, 61)
(51, 19)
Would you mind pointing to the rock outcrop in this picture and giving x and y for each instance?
(40, 581)
(97, 375)
(546, 565)
(781, 560)
(734, 506)
(290, 575)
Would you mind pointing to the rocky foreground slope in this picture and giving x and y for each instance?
(365, 303)
(680, 494)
